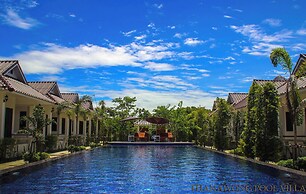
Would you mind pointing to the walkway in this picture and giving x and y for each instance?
(8, 166)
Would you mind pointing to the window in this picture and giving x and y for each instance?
(63, 125)
(54, 124)
(23, 123)
(289, 125)
(70, 127)
(12, 72)
(81, 128)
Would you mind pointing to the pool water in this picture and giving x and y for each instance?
(144, 169)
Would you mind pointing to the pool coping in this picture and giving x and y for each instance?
(7, 171)
(282, 168)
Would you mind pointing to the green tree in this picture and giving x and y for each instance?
(78, 109)
(238, 124)
(36, 123)
(247, 140)
(124, 107)
(59, 109)
(279, 56)
(222, 124)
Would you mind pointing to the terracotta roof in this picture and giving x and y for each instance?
(43, 87)
(70, 97)
(25, 89)
(234, 98)
(5, 65)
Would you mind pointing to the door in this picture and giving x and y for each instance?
(8, 122)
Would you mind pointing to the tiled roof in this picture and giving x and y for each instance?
(56, 98)
(234, 98)
(243, 103)
(277, 83)
(88, 105)
(25, 89)
(5, 65)
(43, 87)
(70, 97)
(301, 84)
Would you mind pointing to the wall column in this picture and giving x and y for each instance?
(97, 128)
(89, 128)
(2, 116)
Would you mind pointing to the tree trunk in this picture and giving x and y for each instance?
(295, 151)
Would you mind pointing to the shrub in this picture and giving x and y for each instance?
(36, 156)
(73, 148)
(44, 155)
(237, 151)
(51, 142)
(286, 163)
(31, 157)
(301, 163)
(93, 144)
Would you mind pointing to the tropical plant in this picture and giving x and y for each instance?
(60, 107)
(247, 140)
(36, 123)
(279, 56)
(222, 124)
(78, 109)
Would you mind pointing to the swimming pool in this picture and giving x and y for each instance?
(145, 169)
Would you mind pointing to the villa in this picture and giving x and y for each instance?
(239, 103)
(18, 98)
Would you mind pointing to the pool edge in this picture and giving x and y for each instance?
(285, 169)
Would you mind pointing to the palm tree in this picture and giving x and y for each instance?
(59, 108)
(78, 108)
(36, 124)
(279, 56)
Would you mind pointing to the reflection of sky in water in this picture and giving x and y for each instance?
(142, 169)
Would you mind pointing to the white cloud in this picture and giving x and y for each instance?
(140, 37)
(171, 27)
(228, 16)
(214, 28)
(255, 33)
(159, 66)
(151, 99)
(301, 32)
(12, 18)
(72, 15)
(261, 43)
(193, 41)
(52, 58)
(53, 78)
(273, 22)
(299, 47)
(129, 33)
(179, 35)
(158, 6)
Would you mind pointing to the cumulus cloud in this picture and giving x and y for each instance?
(151, 99)
(12, 18)
(52, 58)
(193, 41)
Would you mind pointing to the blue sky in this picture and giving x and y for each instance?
(161, 52)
